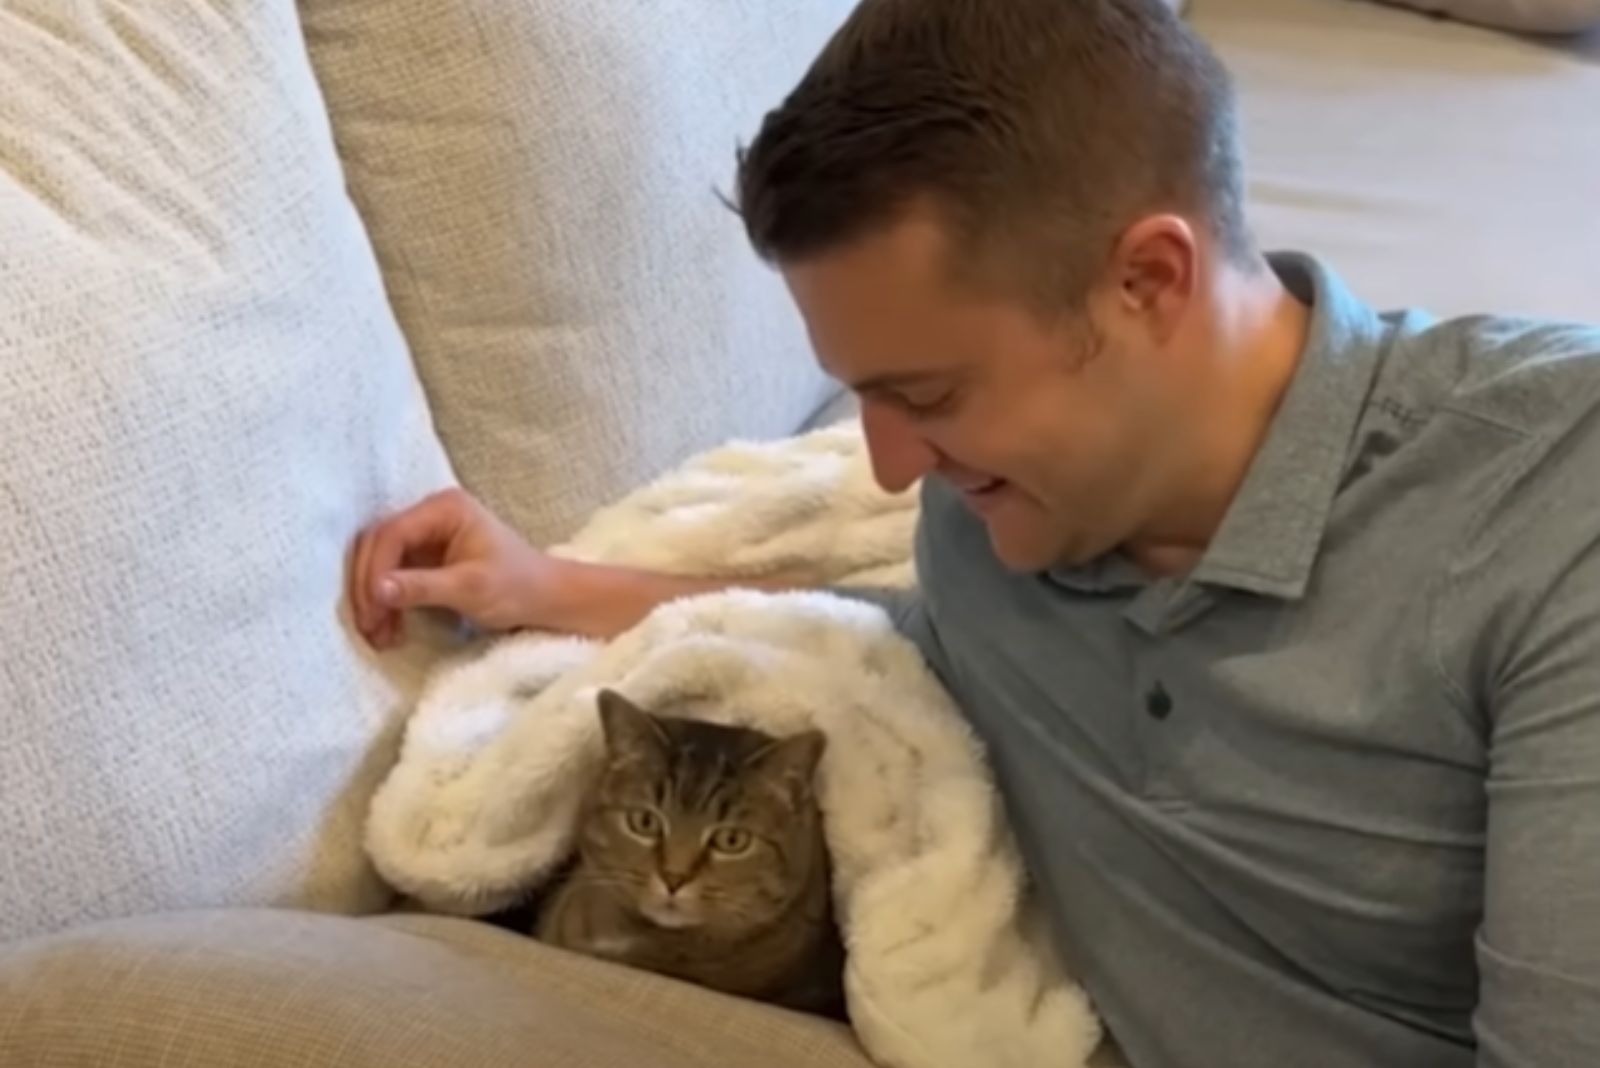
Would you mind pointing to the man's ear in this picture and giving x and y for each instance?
(1155, 271)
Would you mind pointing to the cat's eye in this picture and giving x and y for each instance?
(731, 841)
(643, 823)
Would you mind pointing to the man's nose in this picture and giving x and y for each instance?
(899, 454)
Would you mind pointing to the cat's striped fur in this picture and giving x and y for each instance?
(701, 856)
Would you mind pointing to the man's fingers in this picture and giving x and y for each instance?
(434, 588)
(387, 632)
(433, 522)
(360, 598)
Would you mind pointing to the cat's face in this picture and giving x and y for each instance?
(697, 825)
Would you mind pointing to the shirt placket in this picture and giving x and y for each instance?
(1158, 617)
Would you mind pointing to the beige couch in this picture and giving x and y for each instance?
(271, 268)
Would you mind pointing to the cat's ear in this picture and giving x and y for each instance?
(792, 762)
(631, 733)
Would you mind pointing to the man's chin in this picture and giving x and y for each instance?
(1022, 552)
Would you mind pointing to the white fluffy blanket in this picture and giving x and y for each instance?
(946, 966)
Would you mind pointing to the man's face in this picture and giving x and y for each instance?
(1051, 431)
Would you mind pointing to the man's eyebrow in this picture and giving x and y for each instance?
(898, 380)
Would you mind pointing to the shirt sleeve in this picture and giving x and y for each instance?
(895, 601)
(908, 611)
(1538, 947)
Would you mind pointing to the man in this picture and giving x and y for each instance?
(1281, 618)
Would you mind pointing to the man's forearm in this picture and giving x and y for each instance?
(603, 600)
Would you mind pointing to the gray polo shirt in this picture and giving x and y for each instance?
(1333, 799)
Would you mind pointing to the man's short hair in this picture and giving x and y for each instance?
(1037, 130)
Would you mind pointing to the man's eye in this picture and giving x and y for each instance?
(927, 403)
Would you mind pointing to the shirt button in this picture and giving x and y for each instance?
(1158, 702)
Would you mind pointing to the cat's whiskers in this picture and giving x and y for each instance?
(623, 887)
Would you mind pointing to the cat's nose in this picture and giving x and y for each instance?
(672, 880)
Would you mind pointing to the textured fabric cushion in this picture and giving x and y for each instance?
(1527, 16)
(843, 405)
(540, 180)
(202, 396)
(290, 990)
(1433, 163)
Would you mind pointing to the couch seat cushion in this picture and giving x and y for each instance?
(281, 989)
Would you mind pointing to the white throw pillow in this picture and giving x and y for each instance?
(1526, 16)
(540, 179)
(203, 395)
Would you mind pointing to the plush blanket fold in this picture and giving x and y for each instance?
(946, 968)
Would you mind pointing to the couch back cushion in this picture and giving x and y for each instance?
(203, 395)
(540, 180)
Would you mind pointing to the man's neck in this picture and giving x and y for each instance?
(1253, 337)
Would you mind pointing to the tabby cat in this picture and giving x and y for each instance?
(701, 856)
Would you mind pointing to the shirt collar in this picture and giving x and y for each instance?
(1270, 535)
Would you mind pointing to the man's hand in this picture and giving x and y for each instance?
(450, 552)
